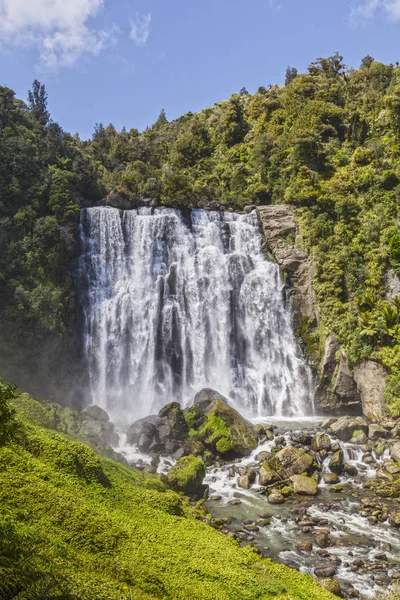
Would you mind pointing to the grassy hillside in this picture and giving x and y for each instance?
(77, 526)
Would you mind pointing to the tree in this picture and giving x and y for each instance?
(330, 67)
(243, 92)
(161, 120)
(37, 102)
(367, 62)
(291, 73)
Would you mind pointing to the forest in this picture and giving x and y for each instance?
(327, 143)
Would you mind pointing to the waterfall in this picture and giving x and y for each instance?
(173, 305)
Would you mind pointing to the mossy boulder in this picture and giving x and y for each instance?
(227, 431)
(330, 478)
(290, 461)
(359, 437)
(187, 476)
(303, 485)
(337, 461)
(332, 586)
(321, 442)
(344, 427)
(267, 476)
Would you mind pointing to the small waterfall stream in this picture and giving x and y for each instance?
(173, 305)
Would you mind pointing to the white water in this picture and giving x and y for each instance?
(171, 307)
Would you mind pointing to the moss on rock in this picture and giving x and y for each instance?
(187, 475)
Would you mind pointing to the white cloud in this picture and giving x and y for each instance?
(140, 29)
(57, 27)
(369, 8)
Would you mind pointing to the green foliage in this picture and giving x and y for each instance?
(8, 424)
(215, 433)
(187, 474)
(77, 527)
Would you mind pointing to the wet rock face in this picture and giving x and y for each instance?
(328, 362)
(371, 381)
(345, 388)
(279, 227)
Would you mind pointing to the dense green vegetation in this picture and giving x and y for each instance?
(76, 526)
(327, 142)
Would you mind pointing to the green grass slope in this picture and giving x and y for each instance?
(77, 526)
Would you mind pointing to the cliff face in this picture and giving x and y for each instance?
(339, 388)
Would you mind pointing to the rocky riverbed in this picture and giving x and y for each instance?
(319, 495)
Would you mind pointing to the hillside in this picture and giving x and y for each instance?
(74, 525)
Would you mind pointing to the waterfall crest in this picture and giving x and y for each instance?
(171, 306)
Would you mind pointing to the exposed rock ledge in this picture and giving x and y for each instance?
(280, 231)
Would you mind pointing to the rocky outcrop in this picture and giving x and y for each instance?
(116, 201)
(328, 362)
(370, 378)
(280, 231)
(392, 285)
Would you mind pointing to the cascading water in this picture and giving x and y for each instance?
(173, 305)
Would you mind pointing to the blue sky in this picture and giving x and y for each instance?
(121, 61)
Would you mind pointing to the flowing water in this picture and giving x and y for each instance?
(173, 305)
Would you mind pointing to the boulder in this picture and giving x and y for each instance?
(359, 438)
(337, 461)
(96, 413)
(143, 433)
(99, 433)
(370, 377)
(172, 424)
(246, 479)
(344, 427)
(330, 478)
(332, 586)
(187, 476)
(266, 475)
(321, 442)
(290, 461)
(276, 498)
(305, 486)
(377, 432)
(394, 519)
(205, 397)
(325, 572)
(395, 452)
(241, 434)
(328, 422)
(350, 470)
(304, 546)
